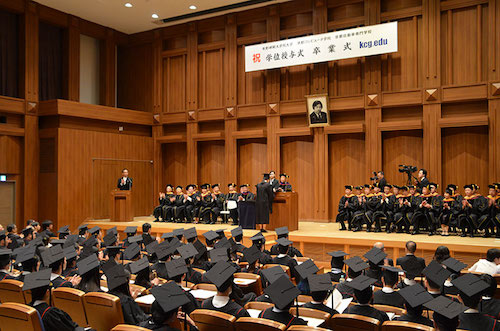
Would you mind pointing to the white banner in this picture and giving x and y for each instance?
(365, 41)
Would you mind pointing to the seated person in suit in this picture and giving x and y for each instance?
(414, 298)
(282, 293)
(283, 258)
(355, 268)
(47, 227)
(5, 264)
(283, 233)
(489, 305)
(221, 275)
(411, 264)
(435, 276)
(470, 290)
(387, 296)
(54, 258)
(147, 238)
(52, 318)
(320, 286)
(363, 293)
(337, 264)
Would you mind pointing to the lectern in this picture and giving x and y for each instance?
(285, 211)
(121, 206)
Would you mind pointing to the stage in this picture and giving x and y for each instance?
(315, 240)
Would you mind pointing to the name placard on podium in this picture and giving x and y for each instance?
(285, 211)
(121, 206)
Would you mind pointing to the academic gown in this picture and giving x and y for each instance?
(393, 299)
(320, 306)
(288, 261)
(282, 317)
(335, 277)
(68, 272)
(490, 307)
(4, 275)
(477, 322)
(55, 319)
(246, 211)
(368, 311)
(60, 282)
(231, 308)
(346, 291)
(150, 325)
(132, 313)
(161, 270)
(193, 276)
(292, 251)
(415, 319)
(263, 203)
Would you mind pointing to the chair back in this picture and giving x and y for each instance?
(104, 310)
(208, 287)
(127, 327)
(258, 305)
(201, 271)
(261, 324)
(18, 316)
(255, 287)
(70, 300)
(11, 291)
(348, 322)
(212, 320)
(310, 312)
(306, 328)
(137, 290)
(284, 267)
(404, 326)
(390, 309)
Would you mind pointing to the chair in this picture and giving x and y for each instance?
(390, 309)
(104, 311)
(305, 328)
(201, 271)
(348, 322)
(70, 300)
(284, 267)
(127, 327)
(404, 326)
(258, 305)
(203, 286)
(11, 291)
(137, 290)
(310, 312)
(255, 287)
(261, 324)
(304, 298)
(17, 316)
(212, 320)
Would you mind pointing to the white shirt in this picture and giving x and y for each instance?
(220, 301)
(276, 310)
(281, 255)
(471, 311)
(53, 276)
(387, 289)
(409, 282)
(486, 267)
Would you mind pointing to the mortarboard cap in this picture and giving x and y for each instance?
(284, 242)
(446, 307)
(258, 237)
(375, 255)
(27, 231)
(139, 265)
(52, 255)
(387, 269)
(282, 231)
(306, 268)
(113, 249)
(162, 250)
(321, 282)
(337, 254)
(115, 276)
(219, 254)
(454, 265)
(95, 229)
(187, 251)
(356, 264)
(210, 235)
(175, 268)
(200, 248)
(273, 274)
(415, 295)
(220, 232)
(70, 253)
(58, 242)
(25, 253)
(131, 251)
(37, 279)
(130, 229)
(436, 273)
(82, 228)
(237, 232)
(169, 296)
(251, 254)
(178, 232)
(63, 229)
(348, 187)
(113, 230)
(282, 292)
(190, 233)
(87, 264)
(361, 282)
(135, 239)
(223, 243)
(220, 273)
(91, 241)
(70, 240)
(109, 239)
(470, 284)
(168, 235)
(151, 248)
(412, 269)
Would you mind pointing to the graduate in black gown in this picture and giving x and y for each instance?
(221, 275)
(47, 227)
(414, 298)
(355, 267)
(246, 208)
(283, 232)
(52, 318)
(489, 305)
(88, 268)
(29, 261)
(130, 231)
(54, 259)
(283, 258)
(363, 293)
(348, 204)
(176, 270)
(387, 295)
(337, 264)
(5, 255)
(232, 195)
(320, 286)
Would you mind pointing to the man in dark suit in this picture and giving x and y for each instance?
(387, 296)
(318, 116)
(363, 293)
(124, 182)
(411, 264)
(264, 201)
(275, 184)
(422, 180)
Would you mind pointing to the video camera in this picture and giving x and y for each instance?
(409, 169)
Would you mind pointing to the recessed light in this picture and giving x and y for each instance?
(155, 16)
(128, 5)
(193, 7)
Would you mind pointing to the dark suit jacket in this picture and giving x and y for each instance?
(411, 264)
(274, 184)
(393, 299)
(263, 202)
(317, 120)
(368, 311)
(422, 183)
(127, 186)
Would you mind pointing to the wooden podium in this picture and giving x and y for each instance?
(121, 206)
(285, 211)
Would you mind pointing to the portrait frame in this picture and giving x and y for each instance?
(313, 120)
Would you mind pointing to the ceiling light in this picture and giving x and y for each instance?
(155, 16)
(128, 5)
(193, 7)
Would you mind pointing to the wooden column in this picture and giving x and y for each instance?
(494, 94)
(373, 140)
(231, 151)
(71, 87)
(157, 159)
(192, 68)
(273, 75)
(192, 152)
(230, 62)
(494, 139)
(432, 141)
(273, 143)
(320, 70)
(108, 70)
(320, 177)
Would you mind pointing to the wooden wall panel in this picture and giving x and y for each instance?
(465, 157)
(251, 85)
(401, 147)
(346, 165)
(210, 78)
(11, 151)
(346, 77)
(295, 82)
(174, 83)
(252, 161)
(297, 162)
(211, 162)
(76, 150)
(174, 168)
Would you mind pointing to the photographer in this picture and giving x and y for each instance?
(422, 180)
(379, 178)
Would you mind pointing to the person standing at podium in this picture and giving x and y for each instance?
(125, 182)
(264, 202)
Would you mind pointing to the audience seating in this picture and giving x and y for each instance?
(137, 291)
(304, 298)
(70, 300)
(305, 328)
(17, 316)
(349, 322)
(284, 267)
(203, 286)
(404, 326)
(309, 312)
(126, 327)
(390, 309)
(258, 305)
(211, 320)
(201, 271)
(254, 287)
(104, 311)
(260, 324)
(11, 291)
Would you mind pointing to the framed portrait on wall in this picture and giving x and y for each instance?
(317, 110)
